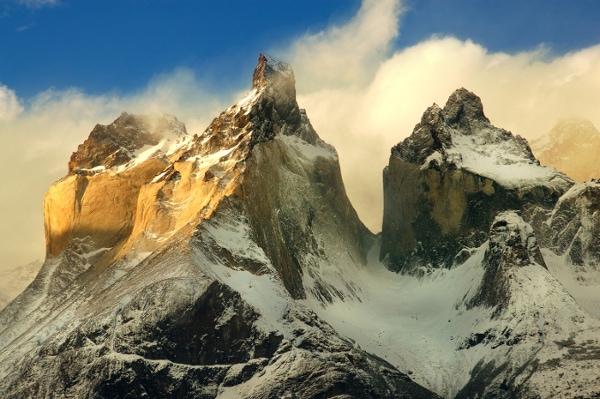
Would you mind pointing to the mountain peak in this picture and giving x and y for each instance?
(123, 140)
(461, 136)
(457, 171)
(463, 107)
(270, 71)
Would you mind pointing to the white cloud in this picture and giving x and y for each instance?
(10, 107)
(346, 55)
(364, 100)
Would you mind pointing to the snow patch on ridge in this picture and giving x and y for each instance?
(235, 236)
(168, 145)
(501, 160)
(246, 103)
(263, 292)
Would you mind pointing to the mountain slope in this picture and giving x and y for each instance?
(190, 286)
(474, 225)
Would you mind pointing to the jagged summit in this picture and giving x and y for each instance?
(270, 71)
(464, 109)
(463, 113)
(269, 109)
(124, 140)
(461, 136)
(451, 177)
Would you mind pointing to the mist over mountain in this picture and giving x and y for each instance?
(13, 281)
(572, 147)
(231, 263)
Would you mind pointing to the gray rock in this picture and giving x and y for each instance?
(446, 182)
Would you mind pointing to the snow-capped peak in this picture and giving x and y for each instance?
(461, 136)
(270, 71)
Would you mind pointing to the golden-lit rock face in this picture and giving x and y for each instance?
(261, 153)
(101, 207)
(572, 147)
(142, 201)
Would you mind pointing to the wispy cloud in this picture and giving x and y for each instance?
(346, 55)
(10, 106)
(23, 28)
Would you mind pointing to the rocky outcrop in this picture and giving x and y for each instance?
(529, 312)
(574, 225)
(121, 141)
(447, 181)
(512, 244)
(97, 200)
(572, 147)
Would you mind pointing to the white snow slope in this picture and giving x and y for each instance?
(422, 326)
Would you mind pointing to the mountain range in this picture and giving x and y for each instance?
(231, 264)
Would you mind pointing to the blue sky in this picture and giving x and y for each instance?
(106, 45)
(365, 72)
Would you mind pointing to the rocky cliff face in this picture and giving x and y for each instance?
(447, 181)
(97, 200)
(176, 262)
(512, 244)
(572, 147)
